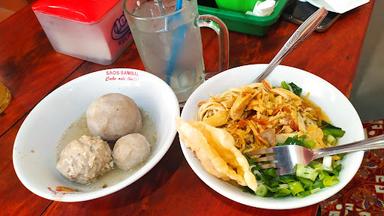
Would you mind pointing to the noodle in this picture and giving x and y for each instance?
(260, 116)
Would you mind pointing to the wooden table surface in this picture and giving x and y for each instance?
(32, 69)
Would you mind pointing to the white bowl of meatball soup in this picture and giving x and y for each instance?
(95, 135)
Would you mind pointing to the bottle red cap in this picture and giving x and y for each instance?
(87, 11)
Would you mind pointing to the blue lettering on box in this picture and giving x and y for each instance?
(120, 28)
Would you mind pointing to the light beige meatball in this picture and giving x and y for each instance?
(84, 159)
(112, 116)
(130, 150)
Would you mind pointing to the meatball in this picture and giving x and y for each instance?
(112, 116)
(130, 150)
(84, 159)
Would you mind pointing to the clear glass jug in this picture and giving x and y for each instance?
(169, 41)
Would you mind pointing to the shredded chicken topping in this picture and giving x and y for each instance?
(260, 116)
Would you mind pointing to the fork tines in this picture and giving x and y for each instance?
(264, 157)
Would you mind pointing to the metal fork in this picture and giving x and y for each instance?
(285, 158)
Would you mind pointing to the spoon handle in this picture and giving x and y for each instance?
(304, 30)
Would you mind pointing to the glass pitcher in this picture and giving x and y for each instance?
(169, 41)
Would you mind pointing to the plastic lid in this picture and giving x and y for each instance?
(87, 11)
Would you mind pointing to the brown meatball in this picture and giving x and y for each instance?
(130, 150)
(112, 116)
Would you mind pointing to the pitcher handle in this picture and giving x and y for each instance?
(221, 30)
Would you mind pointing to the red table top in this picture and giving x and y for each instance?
(32, 69)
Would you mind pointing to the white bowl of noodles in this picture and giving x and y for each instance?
(333, 103)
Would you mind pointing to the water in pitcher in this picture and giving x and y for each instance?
(170, 47)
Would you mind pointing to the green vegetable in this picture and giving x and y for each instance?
(323, 174)
(295, 187)
(315, 190)
(329, 129)
(269, 177)
(331, 139)
(309, 143)
(270, 172)
(287, 178)
(261, 190)
(307, 179)
(317, 184)
(305, 182)
(336, 169)
(291, 87)
(284, 85)
(282, 192)
(293, 141)
(316, 165)
(304, 193)
(295, 89)
(301, 141)
(333, 132)
(306, 172)
(330, 181)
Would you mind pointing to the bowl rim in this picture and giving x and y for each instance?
(89, 195)
(262, 202)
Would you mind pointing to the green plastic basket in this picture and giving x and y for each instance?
(248, 24)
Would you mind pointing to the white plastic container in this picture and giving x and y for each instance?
(95, 31)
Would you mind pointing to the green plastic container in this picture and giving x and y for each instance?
(248, 24)
(236, 5)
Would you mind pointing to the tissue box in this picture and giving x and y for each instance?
(95, 31)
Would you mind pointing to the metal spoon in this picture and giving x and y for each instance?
(304, 30)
